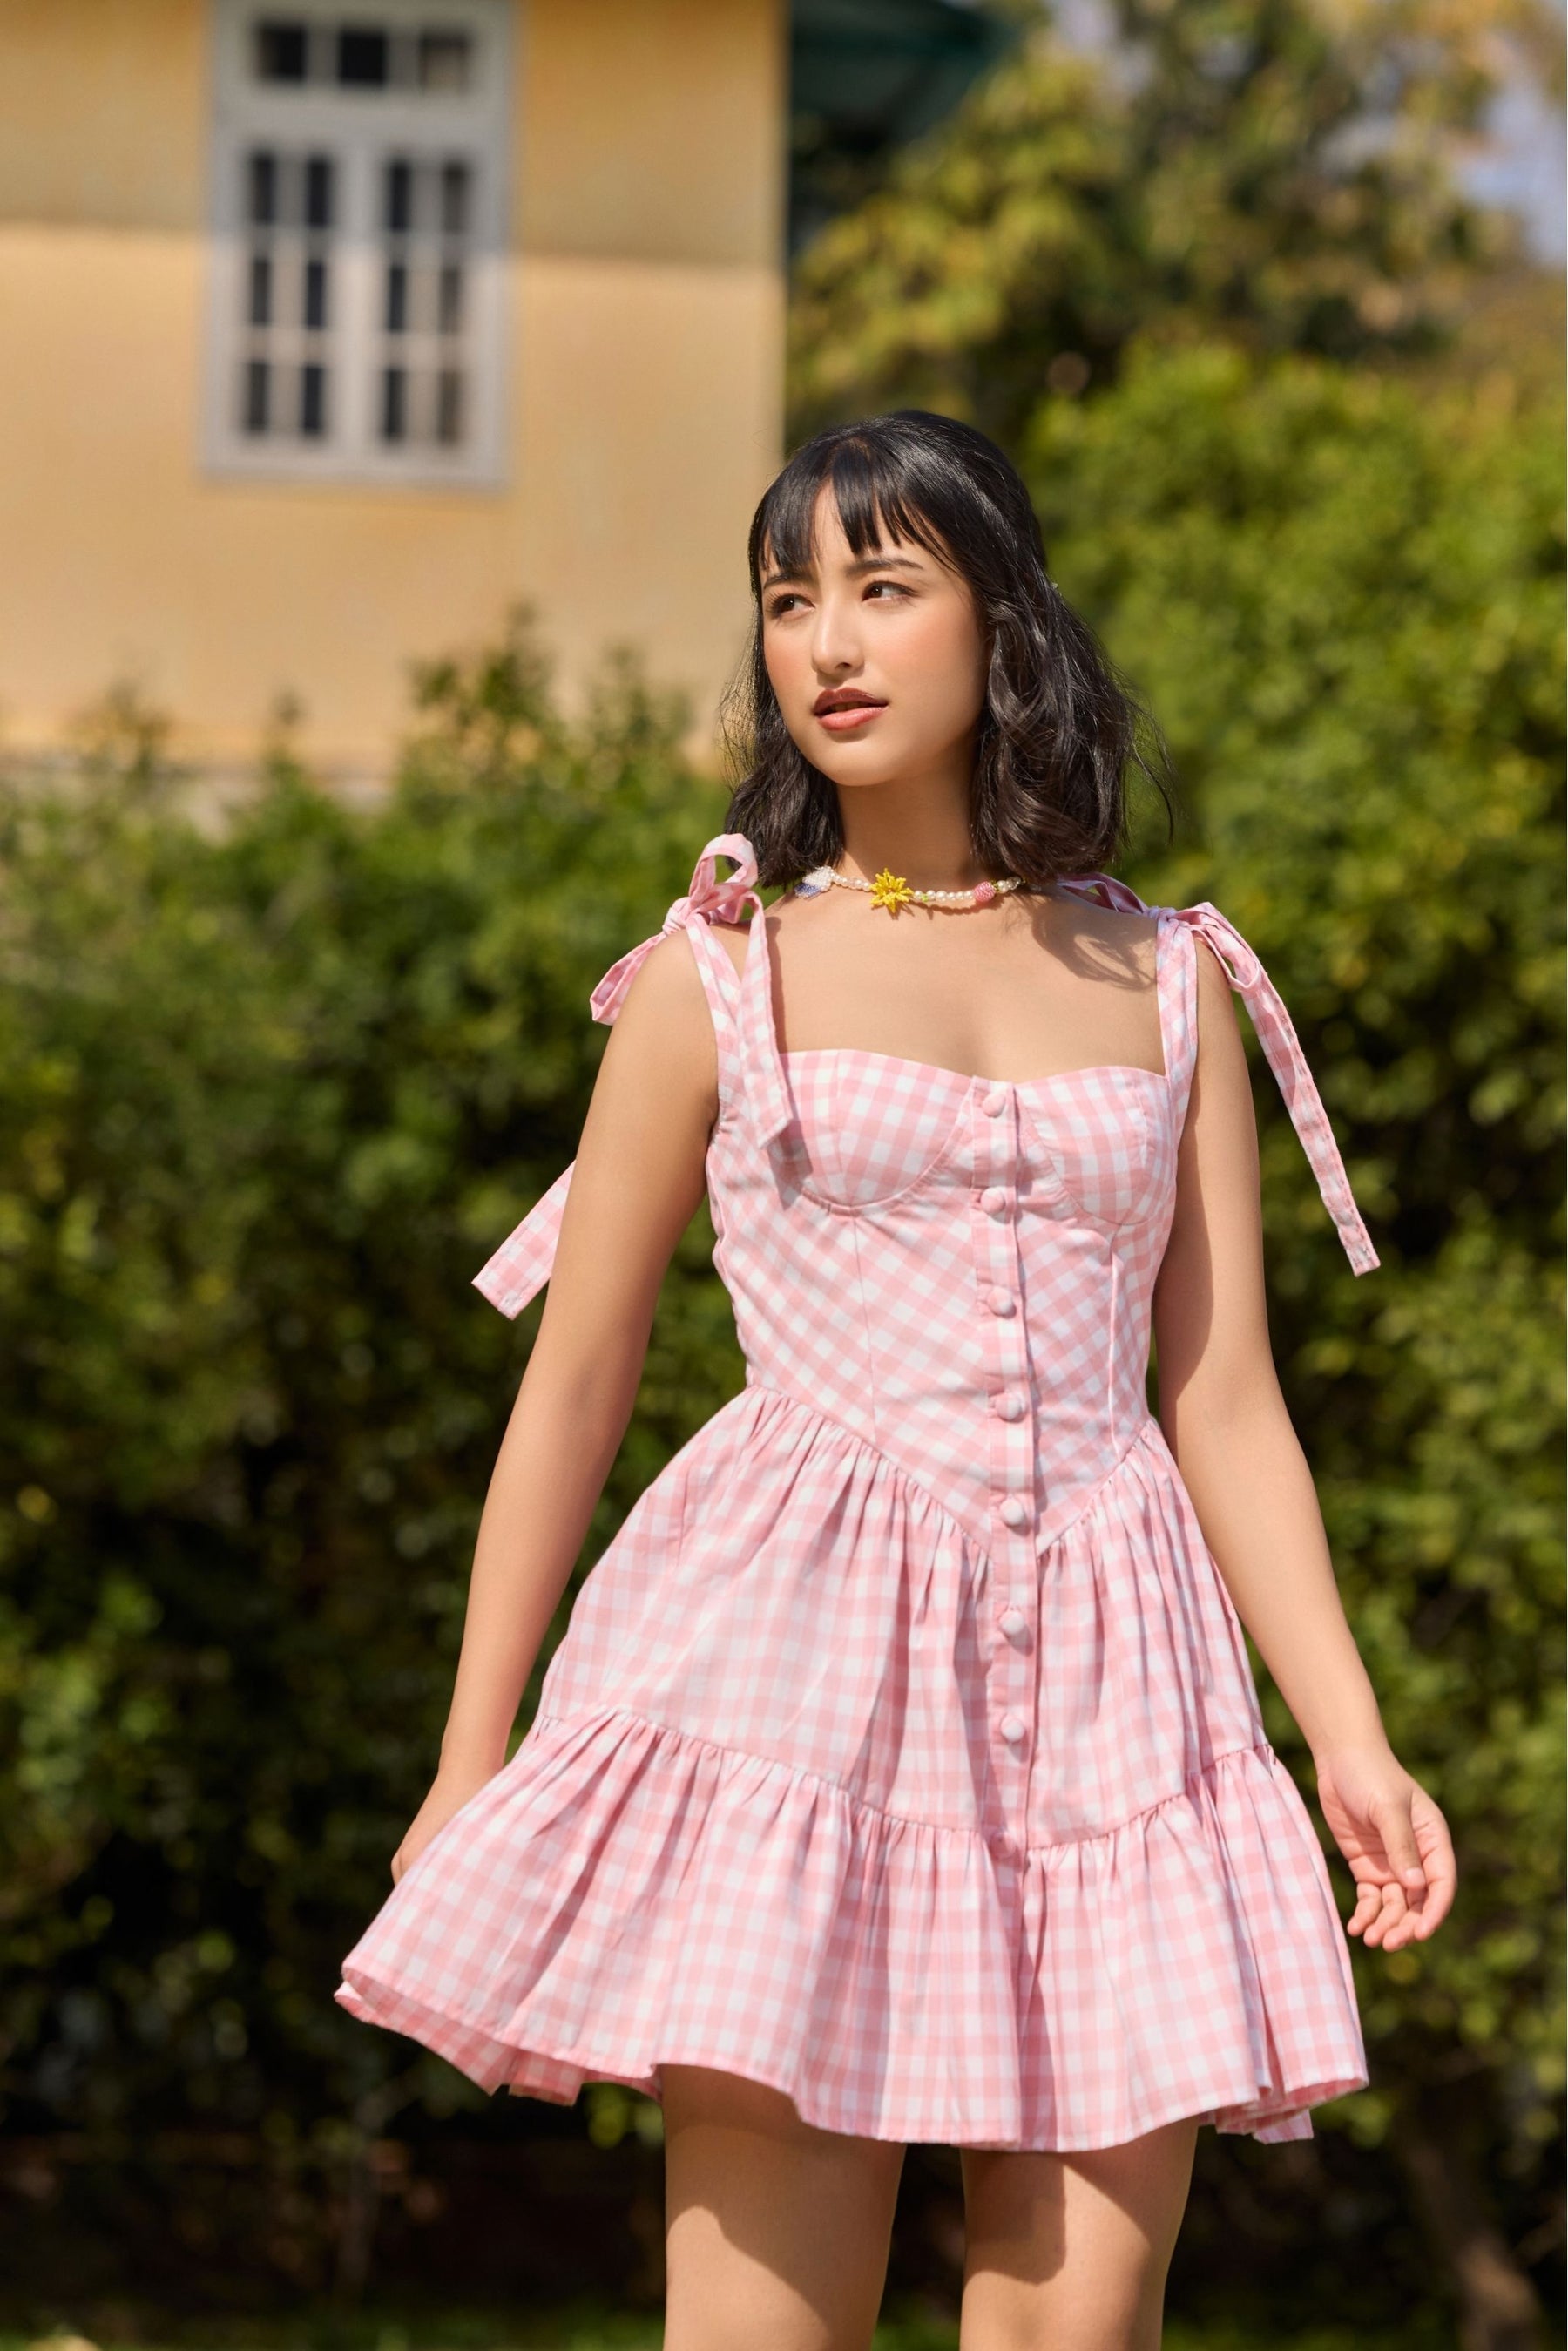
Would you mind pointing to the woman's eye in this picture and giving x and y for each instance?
(885, 588)
(781, 605)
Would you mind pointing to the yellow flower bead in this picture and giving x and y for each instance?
(890, 890)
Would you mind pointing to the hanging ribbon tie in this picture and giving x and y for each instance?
(708, 897)
(521, 1265)
(1277, 1036)
(1239, 961)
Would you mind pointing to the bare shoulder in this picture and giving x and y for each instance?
(667, 992)
(1103, 940)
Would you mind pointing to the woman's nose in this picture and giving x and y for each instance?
(835, 639)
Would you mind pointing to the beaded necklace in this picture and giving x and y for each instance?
(891, 891)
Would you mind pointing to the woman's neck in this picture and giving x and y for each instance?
(918, 830)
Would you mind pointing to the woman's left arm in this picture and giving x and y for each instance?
(1225, 1421)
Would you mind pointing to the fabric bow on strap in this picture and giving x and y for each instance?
(521, 1265)
(715, 901)
(1282, 1048)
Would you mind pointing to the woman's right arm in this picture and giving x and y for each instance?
(637, 1181)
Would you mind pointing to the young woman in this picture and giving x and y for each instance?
(901, 1774)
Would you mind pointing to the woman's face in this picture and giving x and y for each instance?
(878, 661)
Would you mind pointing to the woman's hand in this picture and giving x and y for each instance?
(1396, 1841)
(450, 1790)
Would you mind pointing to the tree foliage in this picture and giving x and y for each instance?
(1272, 170)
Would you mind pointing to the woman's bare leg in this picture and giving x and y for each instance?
(776, 2232)
(1071, 2252)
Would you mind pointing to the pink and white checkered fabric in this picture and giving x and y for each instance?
(903, 1751)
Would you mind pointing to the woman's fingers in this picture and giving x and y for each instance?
(1405, 1869)
(1437, 1851)
(1391, 1821)
(1389, 1916)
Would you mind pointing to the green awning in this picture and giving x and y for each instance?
(867, 76)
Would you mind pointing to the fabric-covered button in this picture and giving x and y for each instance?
(999, 1842)
(1010, 1408)
(1011, 1727)
(1013, 1621)
(993, 1200)
(994, 1102)
(1013, 1512)
(1002, 1302)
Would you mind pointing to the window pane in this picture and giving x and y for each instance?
(261, 191)
(259, 308)
(454, 199)
(397, 298)
(444, 60)
(451, 300)
(316, 294)
(319, 177)
(255, 402)
(362, 58)
(282, 49)
(313, 400)
(448, 407)
(394, 404)
(399, 198)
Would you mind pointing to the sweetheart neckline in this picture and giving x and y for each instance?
(969, 1077)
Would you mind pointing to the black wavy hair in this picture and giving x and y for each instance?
(1061, 731)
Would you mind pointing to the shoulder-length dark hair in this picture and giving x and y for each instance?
(1060, 730)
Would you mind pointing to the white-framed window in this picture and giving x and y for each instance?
(355, 296)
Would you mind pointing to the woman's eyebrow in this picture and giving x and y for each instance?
(779, 577)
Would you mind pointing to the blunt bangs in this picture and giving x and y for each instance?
(876, 498)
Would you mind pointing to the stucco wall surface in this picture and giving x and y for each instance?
(643, 296)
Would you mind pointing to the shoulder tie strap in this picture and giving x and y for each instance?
(1277, 1036)
(521, 1265)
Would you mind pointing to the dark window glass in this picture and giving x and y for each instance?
(363, 62)
(399, 198)
(316, 293)
(397, 298)
(283, 50)
(454, 199)
(448, 407)
(444, 60)
(257, 402)
(261, 189)
(450, 312)
(313, 400)
(259, 308)
(319, 191)
(394, 404)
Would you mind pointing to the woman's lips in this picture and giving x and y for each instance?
(849, 716)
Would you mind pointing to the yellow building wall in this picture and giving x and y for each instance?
(645, 334)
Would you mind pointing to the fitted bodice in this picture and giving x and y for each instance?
(957, 1272)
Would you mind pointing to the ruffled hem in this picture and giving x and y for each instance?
(624, 1896)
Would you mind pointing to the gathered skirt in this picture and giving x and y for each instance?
(757, 1823)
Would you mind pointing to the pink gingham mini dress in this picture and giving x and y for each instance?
(902, 1751)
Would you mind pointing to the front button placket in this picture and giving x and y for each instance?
(1011, 1603)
